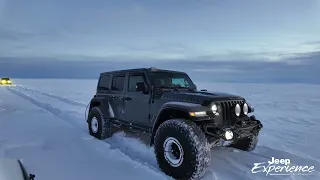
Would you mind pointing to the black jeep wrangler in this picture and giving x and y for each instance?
(183, 123)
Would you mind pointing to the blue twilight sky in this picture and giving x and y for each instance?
(257, 40)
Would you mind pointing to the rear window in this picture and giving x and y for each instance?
(104, 82)
(117, 83)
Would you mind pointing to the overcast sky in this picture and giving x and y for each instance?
(262, 40)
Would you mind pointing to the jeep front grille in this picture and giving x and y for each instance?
(227, 108)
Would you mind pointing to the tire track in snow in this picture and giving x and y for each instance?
(48, 107)
(125, 148)
(133, 147)
(120, 142)
(63, 99)
(222, 157)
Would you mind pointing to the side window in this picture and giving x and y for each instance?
(117, 83)
(104, 83)
(133, 80)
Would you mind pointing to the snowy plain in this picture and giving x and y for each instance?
(42, 122)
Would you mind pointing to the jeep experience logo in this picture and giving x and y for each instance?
(281, 167)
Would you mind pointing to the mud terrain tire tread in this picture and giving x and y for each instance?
(197, 152)
(104, 125)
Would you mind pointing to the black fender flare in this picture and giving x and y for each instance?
(174, 105)
(103, 103)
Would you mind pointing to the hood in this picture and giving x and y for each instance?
(199, 96)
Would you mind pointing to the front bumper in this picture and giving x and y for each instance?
(4, 82)
(244, 129)
(241, 129)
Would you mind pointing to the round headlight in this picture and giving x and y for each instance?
(237, 110)
(214, 108)
(228, 135)
(245, 109)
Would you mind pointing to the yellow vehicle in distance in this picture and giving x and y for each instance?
(5, 81)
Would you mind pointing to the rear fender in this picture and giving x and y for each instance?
(103, 104)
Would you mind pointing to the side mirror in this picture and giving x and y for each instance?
(142, 87)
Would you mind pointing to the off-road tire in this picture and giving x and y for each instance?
(246, 144)
(197, 154)
(104, 126)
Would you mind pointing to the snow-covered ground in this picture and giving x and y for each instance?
(42, 122)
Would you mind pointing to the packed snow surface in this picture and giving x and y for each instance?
(42, 122)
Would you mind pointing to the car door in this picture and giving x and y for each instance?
(116, 96)
(136, 103)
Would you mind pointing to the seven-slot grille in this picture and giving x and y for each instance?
(228, 113)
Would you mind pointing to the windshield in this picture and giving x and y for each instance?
(171, 80)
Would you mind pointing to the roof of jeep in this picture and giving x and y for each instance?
(5, 78)
(152, 69)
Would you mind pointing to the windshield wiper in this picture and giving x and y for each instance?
(176, 88)
(188, 88)
(167, 87)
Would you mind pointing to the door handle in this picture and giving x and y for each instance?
(127, 98)
(111, 97)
